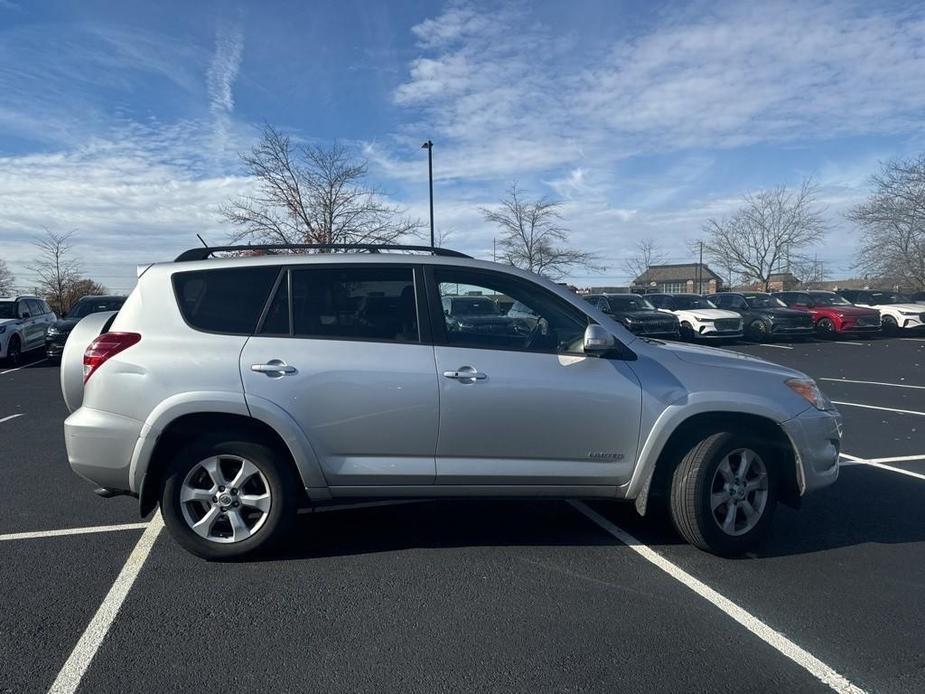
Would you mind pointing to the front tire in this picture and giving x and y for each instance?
(758, 331)
(225, 499)
(888, 326)
(686, 332)
(723, 494)
(825, 327)
(14, 352)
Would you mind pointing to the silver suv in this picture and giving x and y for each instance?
(233, 391)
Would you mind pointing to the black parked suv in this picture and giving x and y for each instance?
(637, 314)
(765, 316)
(57, 332)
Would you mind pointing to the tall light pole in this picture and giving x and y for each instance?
(429, 146)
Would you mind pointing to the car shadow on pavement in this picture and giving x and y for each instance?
(437, 524)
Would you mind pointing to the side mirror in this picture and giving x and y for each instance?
(597, 340)
(26, 314)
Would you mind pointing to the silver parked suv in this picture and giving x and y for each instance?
(233, 391)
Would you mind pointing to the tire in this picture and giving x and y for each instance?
(825, 328)
(686, 332)
(262, 528)
(14, 351)
(888, 326)
(698, 479)
(757, 331)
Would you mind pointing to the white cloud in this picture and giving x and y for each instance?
(220, 78)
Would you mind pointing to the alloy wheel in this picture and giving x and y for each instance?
(225, 499)
(826, 327)
(739, 492)
(14, 352)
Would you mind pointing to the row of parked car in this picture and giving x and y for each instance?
(762, 316)
(27, 323)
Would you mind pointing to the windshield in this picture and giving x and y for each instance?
(687, 302)
(883, 298)
(827, 299)
(764, 301)
(88, 306)
(7, 310)
(629, 302)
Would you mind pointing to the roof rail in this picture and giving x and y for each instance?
(204, 253)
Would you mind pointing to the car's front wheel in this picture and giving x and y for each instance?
(825, 327)
(227, 499)
(758, 331)
(888, 326)
(723, 494)
(14, 352)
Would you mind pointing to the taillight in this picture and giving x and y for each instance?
(105, 346)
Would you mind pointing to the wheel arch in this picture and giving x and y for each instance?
(170, 428)
(656, 465)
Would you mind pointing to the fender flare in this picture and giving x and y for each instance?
(219, 402)
(675, 414)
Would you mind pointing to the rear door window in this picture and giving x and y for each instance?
(224, 300)
(355, 303)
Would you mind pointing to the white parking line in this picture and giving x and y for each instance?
(36, 534)
(766, 344)
(854, 460)
(12, 416)
(877, 407)
(872, 383)
(72, 672)
(770, 636)
(913, 339)
(853, 344)
(24, 366)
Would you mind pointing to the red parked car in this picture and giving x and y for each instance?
(832, 314)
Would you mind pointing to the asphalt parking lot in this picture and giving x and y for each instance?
(479, 595)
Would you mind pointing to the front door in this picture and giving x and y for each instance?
(519, 401)
(347, 359)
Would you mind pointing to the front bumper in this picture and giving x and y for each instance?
(100, 445)
(816, 439)
(793, 330)
(708, 332)
(54, 346)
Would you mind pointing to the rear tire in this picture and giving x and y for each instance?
(261, 511)
(723, 494)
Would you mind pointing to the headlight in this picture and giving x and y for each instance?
(909, 313)
(52, 331)
(627, 320)
(807, 389)
(704, 320)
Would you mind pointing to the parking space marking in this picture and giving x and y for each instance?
(24, 366)
(872, 383)
(877, 407)
(913, 339)
(770, 636)
(874, 463)
(853, 344)
(12, 416)
(765, 344)
(36, 534)
(72, 672)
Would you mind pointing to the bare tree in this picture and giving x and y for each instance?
(7, 280)
(311, 194)
(771, 229)
(892, 222)
(531, 235)
(57, 270)
(648, 253)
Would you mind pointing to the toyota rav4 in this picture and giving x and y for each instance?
(232, 391)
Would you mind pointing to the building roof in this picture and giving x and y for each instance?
(676, 273)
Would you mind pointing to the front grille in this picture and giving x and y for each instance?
(727, 324)
(657, 327)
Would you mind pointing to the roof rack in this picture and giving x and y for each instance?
(204, 253)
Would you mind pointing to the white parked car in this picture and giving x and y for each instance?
(897, 312)
(699, 317)
(23, 322)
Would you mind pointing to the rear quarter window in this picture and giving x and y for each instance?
(224, 301)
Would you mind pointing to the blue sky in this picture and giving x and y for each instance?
(123, 120)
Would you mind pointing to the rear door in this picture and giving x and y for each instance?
(520, 403)
(349, 358)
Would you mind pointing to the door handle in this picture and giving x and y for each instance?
(465, 373)
(274, 368)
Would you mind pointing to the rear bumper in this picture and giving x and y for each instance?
(99, 446)
(816, 439)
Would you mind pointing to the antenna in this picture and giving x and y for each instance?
(202, 240)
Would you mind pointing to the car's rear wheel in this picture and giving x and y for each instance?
(14, 351)
(723, 494)
(825, 327)
(889, 326)
(227, 499)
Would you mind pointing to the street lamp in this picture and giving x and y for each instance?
(429, 146)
